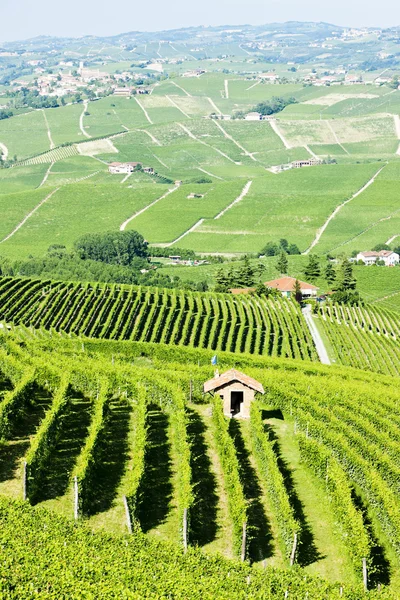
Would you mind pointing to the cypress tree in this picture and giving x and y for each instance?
(330, 273)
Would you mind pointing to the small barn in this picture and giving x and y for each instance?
(237, 392)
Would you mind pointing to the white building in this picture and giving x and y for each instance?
(370, 258)
(253, 116)
(117, 167)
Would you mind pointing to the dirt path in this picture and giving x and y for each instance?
(52, 145)
(390, 240)
(46, 175)
(215, 107)
(151, 136)
(191, 135)
(311, 152)
(195, 226)
(161, 162)
(397, 126)
(210, 174)
(254, 85)
(81, 127)
(243, 193)
(4, 151)
(319, 344)
(178, 107)
(24, 220)
(278, 132)
(329, 124)
(125, 223)
(226, 86)
(229, 137)
(144, 110)
(338, 208)
(181, 88)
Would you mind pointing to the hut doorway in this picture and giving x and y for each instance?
(236, 402)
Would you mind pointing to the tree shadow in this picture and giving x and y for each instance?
(25, 425)
(155, 490)
(380, 570)
(113, 452)
(203, 519)
(260, 540)
(307, 552)
(72, 434)
(273, 413)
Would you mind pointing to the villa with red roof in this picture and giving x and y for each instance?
(286, 286)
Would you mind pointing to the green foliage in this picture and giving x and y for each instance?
(13, 403)
(313, 269)
(121, 248)
(330, 273)
(282, 263)
(275, 105)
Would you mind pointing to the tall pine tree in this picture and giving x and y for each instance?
(330, 273)
(313, 269)
(282, 264)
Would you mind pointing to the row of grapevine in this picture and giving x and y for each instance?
(236, 500)
(45, 438)
(325, 466)
(289, 527)
(215, 321)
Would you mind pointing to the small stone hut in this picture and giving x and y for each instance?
(237, 392)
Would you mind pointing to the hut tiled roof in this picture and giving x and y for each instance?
(229, 377)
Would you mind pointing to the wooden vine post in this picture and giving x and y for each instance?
(244, 537)
(365, 573)
(293, 553)
(185, 530)
(127, 514)
(24, 480)
(76, 499)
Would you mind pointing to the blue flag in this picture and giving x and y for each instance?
(214, 360)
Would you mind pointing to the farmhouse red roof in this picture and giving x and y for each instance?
(230, 376)
(286, 284)
(380, 253)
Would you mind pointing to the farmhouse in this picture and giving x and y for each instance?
(117, 167)
(269, 76)
(125, 92)
(286, 286)
(253, 116)
(370, 258)
(236, 390)
(311, 162)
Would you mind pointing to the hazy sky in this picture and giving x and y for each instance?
(28, 18)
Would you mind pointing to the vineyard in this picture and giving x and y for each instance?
(217, 321)
(141, 452)
(365, 338)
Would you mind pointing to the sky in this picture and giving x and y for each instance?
(75, 18)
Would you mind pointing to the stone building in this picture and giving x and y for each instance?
(236, 390)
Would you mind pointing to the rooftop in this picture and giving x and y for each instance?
(286, 284)
(230, 376)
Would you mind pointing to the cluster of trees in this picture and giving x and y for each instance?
(243, 276)
(341, 279)
(273, 249)
(30, 97)
(275, 105)
(126, 248)
(5, 114)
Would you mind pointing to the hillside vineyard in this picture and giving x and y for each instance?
(50, 381)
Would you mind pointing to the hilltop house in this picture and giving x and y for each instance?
(310, 162)
(117, 167)
(253, 116)
(370, 258)
(236, 390)
(286, 286)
